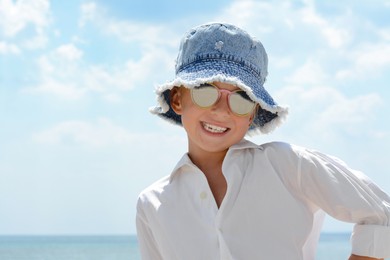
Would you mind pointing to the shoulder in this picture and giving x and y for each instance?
(276, 147)
(281, 149)
(153, 192)
(297, 154)
(283, 156)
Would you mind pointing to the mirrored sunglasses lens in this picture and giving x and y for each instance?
(240, 103)
(205, 96)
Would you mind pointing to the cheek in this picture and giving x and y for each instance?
(244, 123)
(190, 115)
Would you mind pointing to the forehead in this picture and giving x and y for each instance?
(224, 85)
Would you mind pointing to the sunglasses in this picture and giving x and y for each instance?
(206, 95)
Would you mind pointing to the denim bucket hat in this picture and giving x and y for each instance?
(224, 53)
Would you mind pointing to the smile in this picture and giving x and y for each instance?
(214, 128)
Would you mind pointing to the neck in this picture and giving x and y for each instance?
(207, 160)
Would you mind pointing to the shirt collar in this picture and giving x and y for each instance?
(244, 144)
(186, 161)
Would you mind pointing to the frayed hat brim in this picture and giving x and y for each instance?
(268, 118)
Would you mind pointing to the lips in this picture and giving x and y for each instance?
(214, 129)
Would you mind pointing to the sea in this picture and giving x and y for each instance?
(331, 247)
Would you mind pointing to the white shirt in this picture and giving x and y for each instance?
(273, 207)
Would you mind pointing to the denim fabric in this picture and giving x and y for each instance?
(225, 53)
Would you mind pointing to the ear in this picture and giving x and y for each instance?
(176, 100)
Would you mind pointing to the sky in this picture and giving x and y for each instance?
(77, 143)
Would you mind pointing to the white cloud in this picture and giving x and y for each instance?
(327, 112)
(259, 17)
(59, 72)
(69, 52)
(384, 34)
(249, 13)
(126, 76)
(351, 116)
(100, 134)
(149, 36)
(65, 74)
(357, 110)
(282, 62)
(8, 48)
(367, 61)
(16, 16)
(335, 35)
(79, 132)
(344, 45)
(310, 73)
(55, 87)
(39, 41)
(88, 11)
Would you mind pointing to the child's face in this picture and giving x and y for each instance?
(212, 129)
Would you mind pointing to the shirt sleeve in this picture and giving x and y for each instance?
(147, 243)
(349, 196)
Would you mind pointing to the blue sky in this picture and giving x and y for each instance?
(77, 143)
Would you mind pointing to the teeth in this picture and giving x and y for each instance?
(214, 128)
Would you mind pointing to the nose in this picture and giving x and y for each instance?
(221, 107)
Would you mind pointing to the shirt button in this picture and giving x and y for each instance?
(203, 195)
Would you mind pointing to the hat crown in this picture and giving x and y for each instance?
(223, 41)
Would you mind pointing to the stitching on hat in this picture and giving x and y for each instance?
(222, 56)
(227, 58)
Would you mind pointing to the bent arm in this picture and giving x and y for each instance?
(349, 196)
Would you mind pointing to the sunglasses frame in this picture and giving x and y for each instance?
(220, 91)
